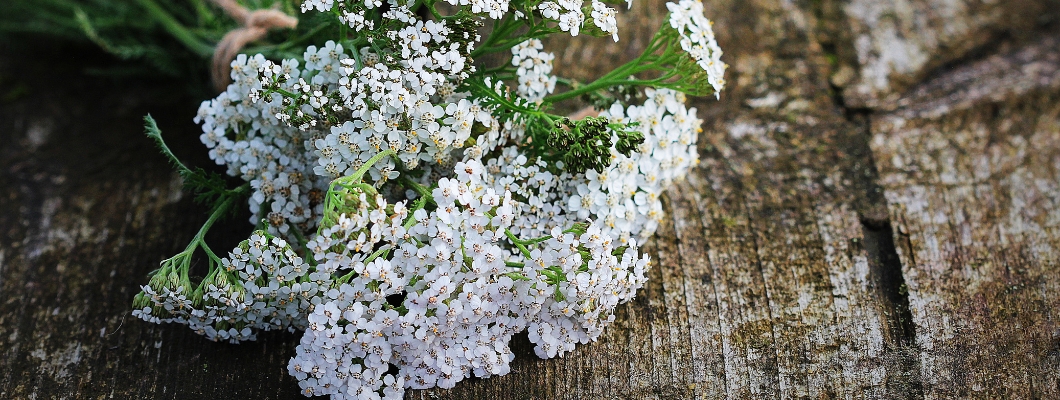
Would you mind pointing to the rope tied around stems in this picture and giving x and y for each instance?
(255, 24)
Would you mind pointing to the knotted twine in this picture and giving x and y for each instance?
(254, 25)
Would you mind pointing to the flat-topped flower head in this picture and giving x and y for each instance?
(416, 207)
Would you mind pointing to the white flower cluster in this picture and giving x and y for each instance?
(697, 39)
(625, 196)
(534, 69)
(604, 17)
(262, 285)
(258, 147)
(319, 5)
(495, 9)
(431, 231)
(464, 296)
(567, 12)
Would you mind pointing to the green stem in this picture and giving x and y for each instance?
(508, 44)
(202, 12)
(359, 174)
(422, 190)
(619, 76)
(333, 199)
(199, 240)
(382, 252)
(501, 29)
(218, 211)
(430, 7)
(518, 244)
(647, 61)
(284, 93)
(571, 83)
(174, 28)
(418, 205)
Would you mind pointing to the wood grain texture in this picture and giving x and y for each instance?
(820, 250)
(761, 288)
(970, 168)
(88, 210)
(894, 44)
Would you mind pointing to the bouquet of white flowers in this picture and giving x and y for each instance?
(415, 210)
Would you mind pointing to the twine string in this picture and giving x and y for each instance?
(254, 25)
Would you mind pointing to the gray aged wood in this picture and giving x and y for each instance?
(899, 42)
(970, 168)
(849, 233)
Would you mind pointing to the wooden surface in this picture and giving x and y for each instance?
(876, 215)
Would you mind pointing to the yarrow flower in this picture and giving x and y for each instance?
(414, 212)
(534, 67)
(604, 18)
(697, 38)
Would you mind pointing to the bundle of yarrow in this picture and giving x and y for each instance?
(416, 210)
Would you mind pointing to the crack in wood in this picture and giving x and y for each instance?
(878, 237)
(889, 285)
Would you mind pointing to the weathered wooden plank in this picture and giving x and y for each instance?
(775, 275)
(87, 210)
(970, 167)
(754, 320)
(888, 46)
(794, 238)
(870, 363)
(695, 281)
